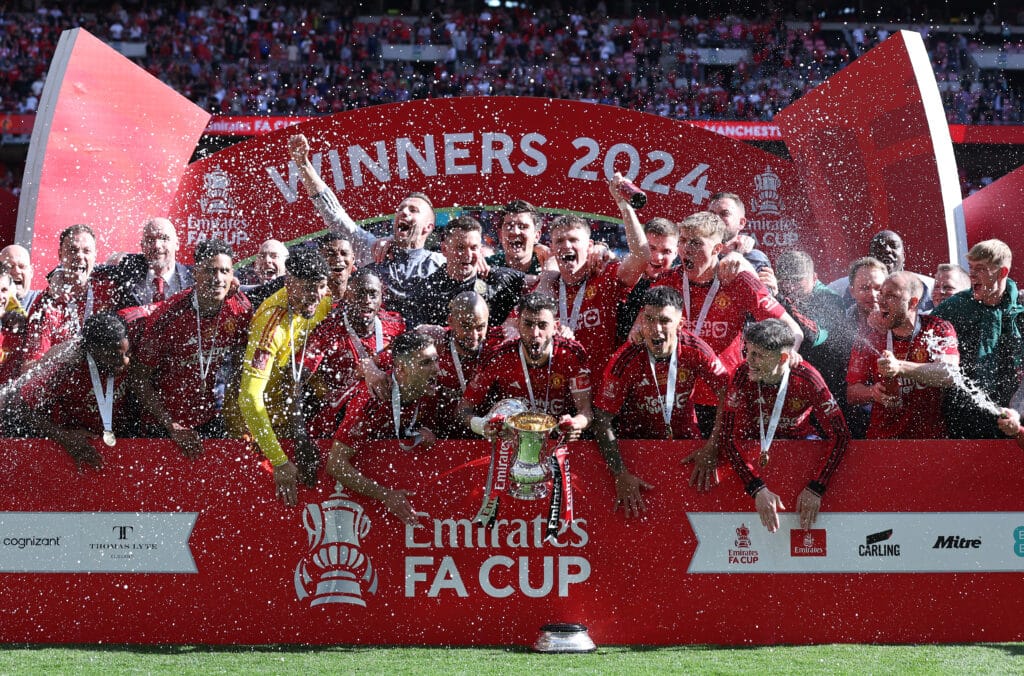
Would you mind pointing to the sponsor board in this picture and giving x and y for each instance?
(940, 542)
(96, 542)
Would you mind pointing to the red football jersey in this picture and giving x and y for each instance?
(634, 395)
(553, 384)
(596, 323)
(746, 298)
(368, 418)
(448, 376)
(64, 392)
(918, 415)
(54, 320)
(171, 345)
(748, 402)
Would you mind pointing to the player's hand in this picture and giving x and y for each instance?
(1008, 422)
(483, 270)
(795, 359)
(615, 188)
(565, 332)
(767, 277)
(730, 266)
(768, 506)
(286, 478)
(629, 494)
(705, 467)
(79, 445)
(381, 249)
(494, 426)
(599, 257)
(397, 502)
(307, 460)
(570, 428)
(808, 505)
(298, 148)
(187, 439)
(881, 395)
(888, 365)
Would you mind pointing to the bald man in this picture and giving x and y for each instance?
(270, 260)
(16, 259)
(154, 275)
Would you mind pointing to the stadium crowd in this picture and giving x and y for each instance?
(693, 334)
(291, 60)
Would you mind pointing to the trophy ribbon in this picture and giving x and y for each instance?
(560, 509)
(502, 451)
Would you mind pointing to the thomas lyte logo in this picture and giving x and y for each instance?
(335, 570)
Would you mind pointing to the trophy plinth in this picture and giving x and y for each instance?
(530, 477)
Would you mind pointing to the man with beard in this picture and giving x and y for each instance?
(187, 341)
(72, 297)
(351, 340)
(716, 312)
(79, 398)
(550, 372)
(16, 259)
(461, 248)
(408, 412)
(886, 247)
(270, 391)
(901, 371)
(408, 263)
(729, 207)
(987, 322)
(588, 298)
(467, 342)
(519, 233)
(772, 398)
(645, 392)
(154, 275)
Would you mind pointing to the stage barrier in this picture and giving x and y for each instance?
(919, 542)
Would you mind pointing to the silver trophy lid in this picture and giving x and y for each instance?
(564, 637)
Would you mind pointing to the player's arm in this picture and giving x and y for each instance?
(639, 256)
(326, 202)
(140, 380)
(932, 374)
(340, 467)
(257, 420)
(584, 413)
(627, 486)
(37, 414)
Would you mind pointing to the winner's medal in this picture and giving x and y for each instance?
(767, 436)
(104, 400)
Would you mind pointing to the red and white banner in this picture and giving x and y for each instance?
(108, 147)
(159, 549)
(475, 153)
(994, 212)
(873, 148)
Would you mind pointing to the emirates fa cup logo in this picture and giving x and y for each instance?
(335, 570)
(768, 200)
(216, 198)
(742, 537)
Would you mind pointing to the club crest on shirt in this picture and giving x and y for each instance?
(260, 359)
(795, 405)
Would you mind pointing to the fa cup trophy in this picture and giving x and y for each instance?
(521, 463)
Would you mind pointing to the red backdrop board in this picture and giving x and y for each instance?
(485, 152)
(994, 211)
(914, 546)
(108, 147)
(873, 147)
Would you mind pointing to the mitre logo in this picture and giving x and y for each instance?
(335, 570)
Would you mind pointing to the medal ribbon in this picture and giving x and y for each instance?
(708, 300)
(773, 424)
(296, 368)
(529, 383)
(104, 397)
(396, 411)
(378, 336)
(502, 452)
(205, 362)
(572, 321)
(669, 400)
